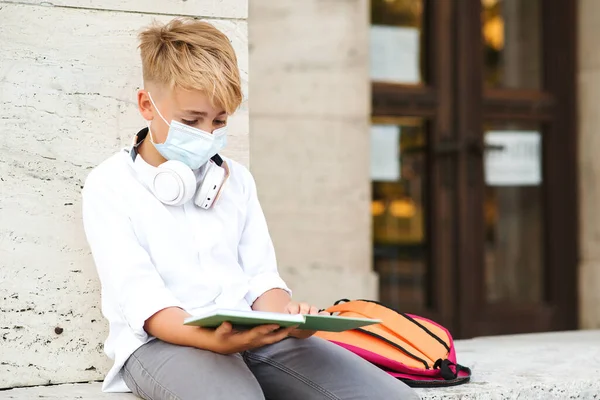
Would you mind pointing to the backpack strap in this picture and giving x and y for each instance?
(460, 376)
(445, 371)
(396, 346)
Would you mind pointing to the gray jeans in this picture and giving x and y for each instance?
(291, 369)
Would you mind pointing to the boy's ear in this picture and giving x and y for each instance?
(145, 105)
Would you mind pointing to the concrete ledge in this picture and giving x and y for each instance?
(87, 391)
(550, 366)
(546, 366)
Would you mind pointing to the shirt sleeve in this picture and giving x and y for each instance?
(127, 274)
(256, 252)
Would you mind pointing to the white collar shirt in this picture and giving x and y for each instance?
(150, 256)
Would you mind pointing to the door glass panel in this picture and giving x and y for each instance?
(396, 42)
(512, 43)
(398, 173)
(513, 212)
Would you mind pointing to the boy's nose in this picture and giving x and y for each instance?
(207, 127)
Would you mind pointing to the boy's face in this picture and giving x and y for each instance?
(192, 108)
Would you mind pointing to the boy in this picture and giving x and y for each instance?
(164, 248)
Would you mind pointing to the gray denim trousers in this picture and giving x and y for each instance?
(289, 370)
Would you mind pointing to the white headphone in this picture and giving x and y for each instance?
(174, 183)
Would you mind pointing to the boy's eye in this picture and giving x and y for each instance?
(220, 122)
(187, 122)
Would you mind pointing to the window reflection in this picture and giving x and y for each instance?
(396, 43)
(511, 33)
(513, 212)
(398, 209)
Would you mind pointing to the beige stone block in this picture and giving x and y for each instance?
(589, 164)
(314, 186)
(309, 58)
(589, 194)
(200, 8)
(73, 85)
(589, 295)
(47, 279)
(322, 287)
(68, 102)
(310, 142)
(588, 32)
(589, 178)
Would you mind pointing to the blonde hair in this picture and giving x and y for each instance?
(192, 55)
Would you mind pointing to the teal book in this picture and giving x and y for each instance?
(250, 319)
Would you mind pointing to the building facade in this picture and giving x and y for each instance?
(436, 155)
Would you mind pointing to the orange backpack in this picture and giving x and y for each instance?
(411, 348)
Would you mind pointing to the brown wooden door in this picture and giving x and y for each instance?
(517, 233)
(459, 236)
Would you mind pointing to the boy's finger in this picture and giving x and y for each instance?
(313, 310)
(224, 328)
(263, 330)
(304, 308)
(283, 333)
(293, 308)
(278, 335)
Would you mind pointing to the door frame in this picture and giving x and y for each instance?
(455, 105)
(555, 108)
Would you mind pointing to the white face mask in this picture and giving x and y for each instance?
(192, 146)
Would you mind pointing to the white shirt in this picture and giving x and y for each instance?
(150, 256)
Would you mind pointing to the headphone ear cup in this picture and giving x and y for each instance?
(209, 190)
(174, 183)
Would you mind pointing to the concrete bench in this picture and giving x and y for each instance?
(549, 366)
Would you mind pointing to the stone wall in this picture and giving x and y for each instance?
(309, 146)
(589, 162)
(69, 72)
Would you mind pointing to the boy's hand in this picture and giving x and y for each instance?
(302, 308)
(230, 341)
